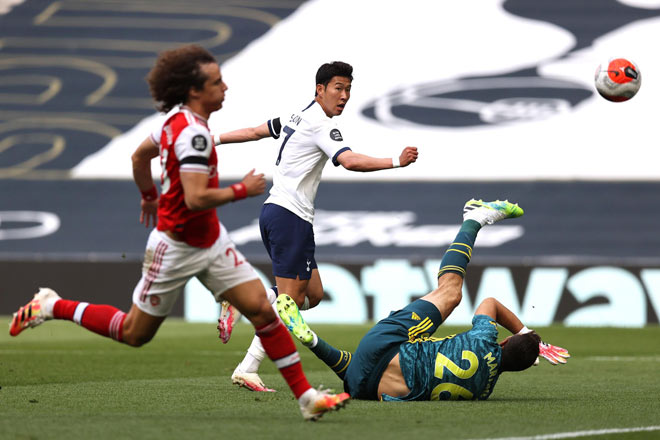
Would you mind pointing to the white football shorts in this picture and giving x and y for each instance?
(169, 264)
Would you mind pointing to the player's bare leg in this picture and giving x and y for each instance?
(140, 327)
(306, 293)
(447, 295)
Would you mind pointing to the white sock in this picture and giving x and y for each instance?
(271, 295)
(307, 396)
(254, 356)
(48, 307)
(305, 304)
(315, 341)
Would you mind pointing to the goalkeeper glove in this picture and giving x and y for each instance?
(553, 354)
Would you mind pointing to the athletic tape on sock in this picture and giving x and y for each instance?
(78, 314)
(284, 362)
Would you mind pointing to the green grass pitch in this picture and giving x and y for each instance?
(60, 381)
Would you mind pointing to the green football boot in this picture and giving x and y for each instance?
(293, 320)
(490, 212)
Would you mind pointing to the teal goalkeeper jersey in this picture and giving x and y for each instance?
(459, 367)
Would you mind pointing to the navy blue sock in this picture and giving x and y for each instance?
(459, 253)
(337, 360)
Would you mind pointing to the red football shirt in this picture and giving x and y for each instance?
(185, 146)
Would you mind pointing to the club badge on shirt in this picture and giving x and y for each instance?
(335, 135)
(199, 143)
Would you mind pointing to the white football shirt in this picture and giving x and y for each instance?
(309, 138)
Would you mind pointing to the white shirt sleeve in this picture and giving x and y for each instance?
(156, 133)
(329, 139)
(193, 148)
(157, 130)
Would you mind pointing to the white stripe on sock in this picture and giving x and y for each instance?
(78, 314)
(286, 361)
(113, 327)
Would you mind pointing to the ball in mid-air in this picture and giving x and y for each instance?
(618, 79)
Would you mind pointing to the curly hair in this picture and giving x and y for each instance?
(177, 71)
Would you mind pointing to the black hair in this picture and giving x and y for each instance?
(520, 352)
(329, 70)
(176, 72)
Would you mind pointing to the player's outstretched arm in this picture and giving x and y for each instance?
(360, 162)
(242, 135)
(141, 159)
(505, 317)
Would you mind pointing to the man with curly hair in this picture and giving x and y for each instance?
(188, 240)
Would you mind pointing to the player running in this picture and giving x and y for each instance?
(309, 137)
(399, 360)
(188, 241)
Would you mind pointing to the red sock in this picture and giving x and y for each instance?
(280, 349)
(102, 319)
(64, 309)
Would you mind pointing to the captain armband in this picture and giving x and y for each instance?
(274, 128)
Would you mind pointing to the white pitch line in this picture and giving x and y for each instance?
(19, 351)
(623, 358)
(575, 434)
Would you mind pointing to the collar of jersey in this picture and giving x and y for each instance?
(185, 107)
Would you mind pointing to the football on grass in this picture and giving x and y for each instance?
(618, 79)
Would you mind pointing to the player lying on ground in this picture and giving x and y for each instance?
(398, 359)
(188, 240)
(309, 138)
